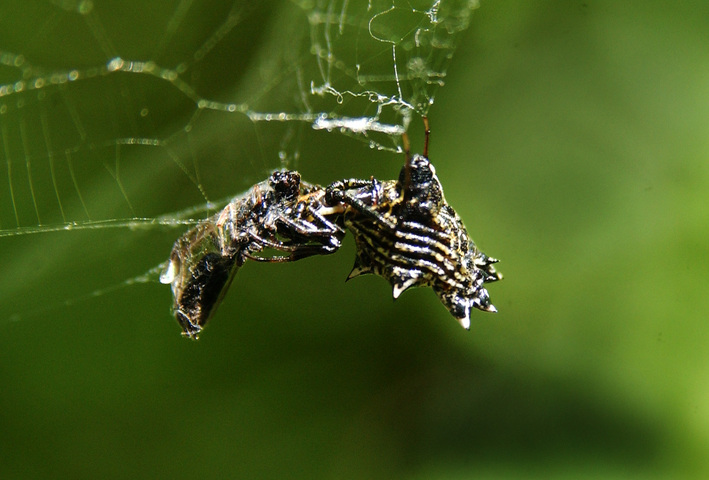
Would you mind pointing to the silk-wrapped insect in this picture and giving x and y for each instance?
(282, 213)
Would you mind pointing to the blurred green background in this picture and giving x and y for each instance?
(571, 138)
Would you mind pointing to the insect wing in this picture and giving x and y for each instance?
(200, 276)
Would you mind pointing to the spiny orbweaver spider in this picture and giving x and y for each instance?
(404, 231)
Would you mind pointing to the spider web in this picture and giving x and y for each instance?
(122, 119)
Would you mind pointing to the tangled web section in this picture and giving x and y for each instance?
(156, 114)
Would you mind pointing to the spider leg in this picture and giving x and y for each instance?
(367, 211)
(298, 250)
(318, 236)
(337, 192)
(407, 165)
(306, 228)
(330, 227)
(349, 184)
(274, 259)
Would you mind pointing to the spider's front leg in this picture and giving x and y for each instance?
(360, 197)
(296, 249)
(315, 227)
(300, 227)
(336, 192)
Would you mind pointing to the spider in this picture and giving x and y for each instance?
(406, 232)
(282, 213)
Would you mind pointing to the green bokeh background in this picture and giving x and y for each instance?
(572, 139)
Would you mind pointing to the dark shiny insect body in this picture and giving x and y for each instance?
(281, 213)
(404, 231)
